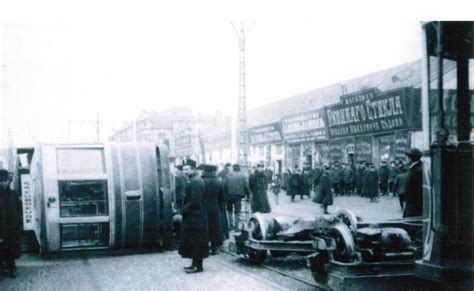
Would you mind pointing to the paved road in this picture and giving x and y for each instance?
(146, 271)
(164, 271)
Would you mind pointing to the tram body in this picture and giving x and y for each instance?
(98, 196)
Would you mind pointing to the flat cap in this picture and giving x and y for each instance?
(414, 152)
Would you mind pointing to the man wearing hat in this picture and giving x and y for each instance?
(258, 188)
(194, 238)
(214, 196)
(413, 185)
(9, 224)
(324, 190)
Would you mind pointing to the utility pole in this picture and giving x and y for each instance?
(242, 136)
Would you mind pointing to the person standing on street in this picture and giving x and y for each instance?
(371, 183)
(324, 191)
(258, 191)
(268, 176)
(317, 172)
(194, 238)
(180, 184)
(399, 186)
(393, 173)
(236, 188)
(224, 172)
(214, 196)
(383, 176)
(307, 180)
(295, 184)
(347, 179)
(9, 225)
(414, 185)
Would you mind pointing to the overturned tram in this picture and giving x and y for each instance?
(95, 196)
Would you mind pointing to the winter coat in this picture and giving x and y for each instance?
(258, 188)
(324, 190)
(370, 187)
(295, 184)
(268, 175)
(194, 238)
(414, 191)
(359, 178)
(317, 172)
(285, 181)
(180, 185)
(400, 183)
(10, 220)
(236, 183)
(393, 173)
(336, 175)
(307, 177)
(348, 175)
(214, 196)
(383, 174)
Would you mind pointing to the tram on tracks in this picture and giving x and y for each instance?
(96, 196)
(433, 251)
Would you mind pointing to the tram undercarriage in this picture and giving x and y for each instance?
(340, 249)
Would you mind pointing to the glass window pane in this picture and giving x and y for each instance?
(83, 198)
(80, 161)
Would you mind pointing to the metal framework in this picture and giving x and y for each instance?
(242, 135)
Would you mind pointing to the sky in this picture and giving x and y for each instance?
(64, 65)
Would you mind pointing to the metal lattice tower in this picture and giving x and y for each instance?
(242, 135)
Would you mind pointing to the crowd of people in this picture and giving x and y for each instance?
(210, 205)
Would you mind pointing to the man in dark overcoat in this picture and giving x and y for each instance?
(296, 182)
(9, 224)
(307, 180)
(393, 173)
(347, 179)
(180, 184)
(359, 177)
(194, 238)
(236, 188)
(258, 189)
(414, 185)
(214, 196)
(324, 190)
(370, 187)
(317, 172)
(384, 172)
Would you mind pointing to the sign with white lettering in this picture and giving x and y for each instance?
(309, 126)
(360, 96)
(27, 202)
(266, 134)
(183, 144)
(383, 113)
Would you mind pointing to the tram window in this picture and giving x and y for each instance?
(80, 161)
(84, 235)
(83, 198)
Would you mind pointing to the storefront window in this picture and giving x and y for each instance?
(83, 198)
(80, 161)
(84, 235)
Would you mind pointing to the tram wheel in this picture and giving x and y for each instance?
(279, 253)
(256, 256)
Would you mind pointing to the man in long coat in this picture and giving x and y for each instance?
(258, 189)
(324, 190)
(9, 224)
(307, 180)
(347, 179)
(194, 238)
(214, 196)
(414, 185)
(370, 187)
(384, 172)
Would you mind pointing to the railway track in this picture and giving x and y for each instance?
(309, 282)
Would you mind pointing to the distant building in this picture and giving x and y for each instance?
(330, 123)
(186, 132)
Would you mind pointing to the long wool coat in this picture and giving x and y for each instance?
(258, 187)
(194, 238)
(324, 190)
(10, 222)
(370, 187)
(414, 191)
(214, 195)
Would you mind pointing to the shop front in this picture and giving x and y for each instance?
(373, 126)
(306, 136)
(267, 143)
